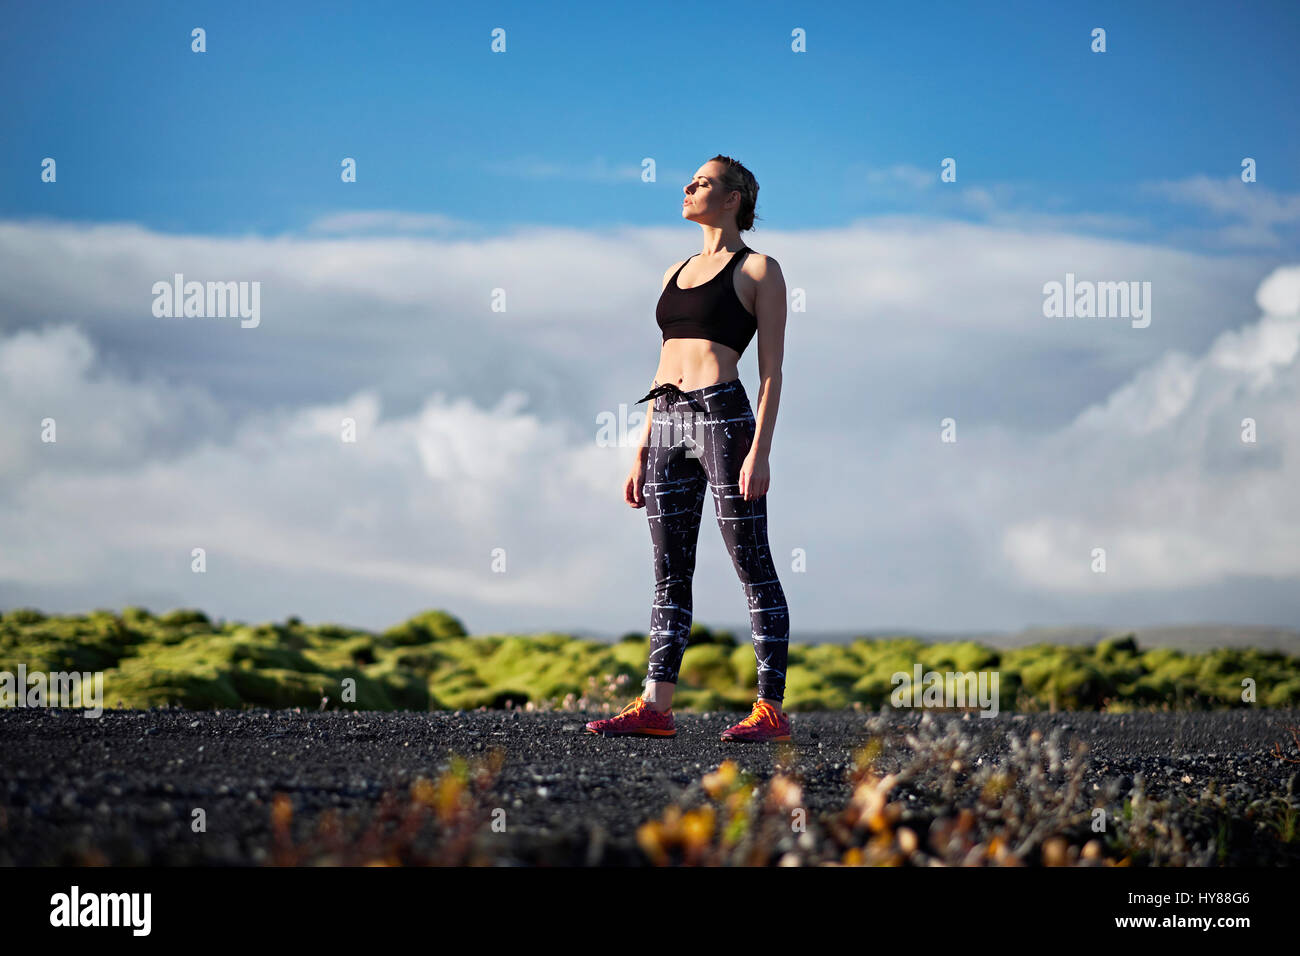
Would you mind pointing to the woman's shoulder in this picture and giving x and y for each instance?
(759, 266)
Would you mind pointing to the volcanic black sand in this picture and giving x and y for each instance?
(121, 789)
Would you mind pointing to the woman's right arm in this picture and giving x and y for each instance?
(643, 443)
(636, 475)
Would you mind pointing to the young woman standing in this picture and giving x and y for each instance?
(702, 433)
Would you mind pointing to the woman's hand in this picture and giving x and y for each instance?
(635, 479)
(754, 477)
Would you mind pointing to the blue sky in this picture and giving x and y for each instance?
(522, 172)
(248, 136)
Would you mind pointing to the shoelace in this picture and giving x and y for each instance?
(635, 706)
(756, 715)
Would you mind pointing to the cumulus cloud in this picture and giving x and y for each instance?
(419, 501)
(477, 429)
(98, 420)
(1159, 476)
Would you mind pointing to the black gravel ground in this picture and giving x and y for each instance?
(121, 789)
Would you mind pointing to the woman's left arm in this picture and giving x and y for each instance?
(769, 311)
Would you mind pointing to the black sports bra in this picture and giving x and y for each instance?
(710, 311)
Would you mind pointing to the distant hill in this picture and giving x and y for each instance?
(1186, 637)
(1183, 637)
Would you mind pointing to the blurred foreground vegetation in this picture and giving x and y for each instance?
(429, 662)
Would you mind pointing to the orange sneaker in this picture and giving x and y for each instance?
(637, 719)
(764, 723)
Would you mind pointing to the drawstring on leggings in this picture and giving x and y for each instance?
(667, 388)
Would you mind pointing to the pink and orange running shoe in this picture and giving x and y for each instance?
(637, 719)
(764, 723)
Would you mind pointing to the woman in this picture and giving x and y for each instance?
(701, 431)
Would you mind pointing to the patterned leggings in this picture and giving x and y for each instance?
(698, 438)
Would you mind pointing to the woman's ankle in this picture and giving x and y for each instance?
(659, 698)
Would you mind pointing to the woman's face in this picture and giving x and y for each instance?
(704, 199)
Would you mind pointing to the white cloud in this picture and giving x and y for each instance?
(1255, 213)
(99, 421)
(419, 501)
(1279, 294)
(902, 174)
(477, 428)
(1159, 476)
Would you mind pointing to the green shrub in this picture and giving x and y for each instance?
(429, 626)
(429, 661)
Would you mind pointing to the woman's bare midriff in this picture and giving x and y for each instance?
(696, 363)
